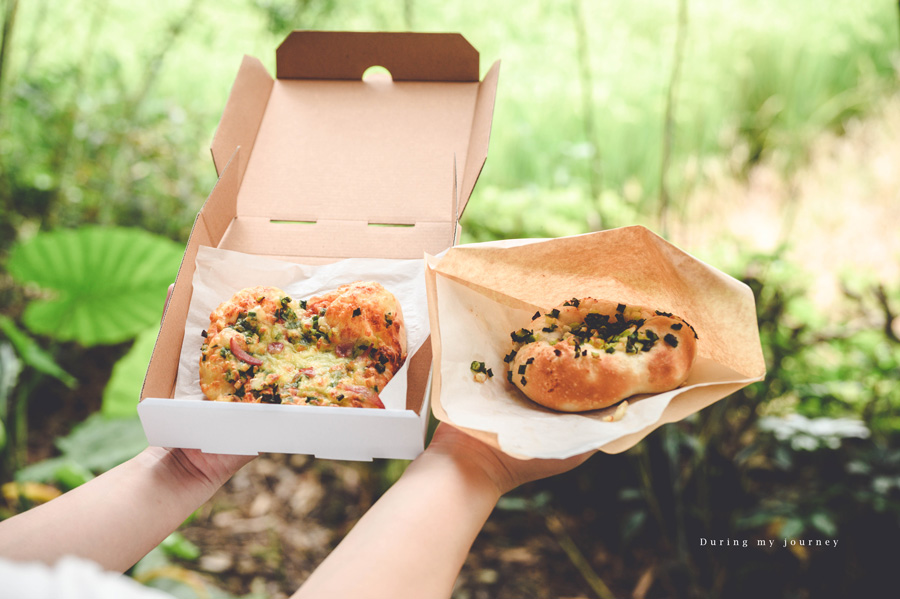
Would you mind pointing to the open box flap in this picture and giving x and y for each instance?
(209, 226)
(347, 55)
(329, 156)
(242, 114)
(480, 135)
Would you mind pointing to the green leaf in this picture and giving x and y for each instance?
(62, 470)
(32, 354)
(41, 472)
(792, 528)
(824, 524)
(10, 367)
(120, 397)
(93, 446)
(71, 474)
(176, 545)
(101, 443)
(107, 284)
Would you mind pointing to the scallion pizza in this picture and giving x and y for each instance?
(337, 349)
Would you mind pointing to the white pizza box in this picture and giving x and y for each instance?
(319, 165)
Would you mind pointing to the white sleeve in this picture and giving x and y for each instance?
(69, 578)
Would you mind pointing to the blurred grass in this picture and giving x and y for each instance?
(758, 78)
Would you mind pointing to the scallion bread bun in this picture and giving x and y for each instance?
(588, 354)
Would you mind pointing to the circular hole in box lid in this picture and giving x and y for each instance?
(377, 73)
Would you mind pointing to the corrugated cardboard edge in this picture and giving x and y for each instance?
(479, 138)
(210, 224)
(242, 114)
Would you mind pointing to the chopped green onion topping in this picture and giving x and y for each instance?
(554, 313)
(671, 340)
(620, 308)
(536, 315)
(676, 326)
(477, 367)
(357, 312)
(522, 336)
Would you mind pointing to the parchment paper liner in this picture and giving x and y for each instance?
(221, 273)
(478, 294)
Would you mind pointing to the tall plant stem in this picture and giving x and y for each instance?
(408, 11)
(595, 175)
(176, 28)
(665, 197)
(62, 161)
(9, 20)
(117, 180)
(581, 563)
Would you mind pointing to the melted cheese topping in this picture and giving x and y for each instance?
(264, 347)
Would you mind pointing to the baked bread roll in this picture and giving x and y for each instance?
(588, 354)
(337, 349)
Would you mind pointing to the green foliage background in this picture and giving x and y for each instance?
(106, 113)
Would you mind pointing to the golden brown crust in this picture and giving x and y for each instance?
(380, 318)
(340, 348)
(589, 354)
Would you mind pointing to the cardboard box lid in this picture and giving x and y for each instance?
(351, 166)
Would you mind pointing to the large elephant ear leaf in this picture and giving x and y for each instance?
(103, 285)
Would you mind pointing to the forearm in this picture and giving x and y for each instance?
(114, 519)
(414, 540)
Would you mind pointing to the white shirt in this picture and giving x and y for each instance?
(69, 578)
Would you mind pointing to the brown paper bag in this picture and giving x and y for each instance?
(479, 293)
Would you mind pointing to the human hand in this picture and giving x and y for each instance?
(193, 466)
(195, 469)
(504, 471)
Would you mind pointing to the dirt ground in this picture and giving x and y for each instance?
(271, 525)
